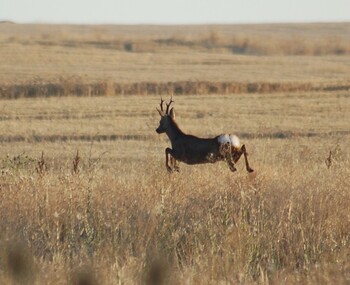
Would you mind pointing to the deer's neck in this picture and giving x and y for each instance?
(173, 131)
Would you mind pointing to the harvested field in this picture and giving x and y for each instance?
(84, 192)
(60, 60)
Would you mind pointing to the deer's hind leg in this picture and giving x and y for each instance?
(225, 151)
(236, 155)
(249, 169)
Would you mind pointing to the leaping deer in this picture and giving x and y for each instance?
(194, 150)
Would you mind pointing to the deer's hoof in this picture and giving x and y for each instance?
(233, 169)
(250, 170)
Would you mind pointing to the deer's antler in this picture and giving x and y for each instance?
(161, 111)
(168, 105)
(161, 104)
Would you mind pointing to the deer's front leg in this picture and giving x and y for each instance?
(169, 151)
(174, 164)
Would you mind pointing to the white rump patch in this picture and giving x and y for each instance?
(224, 139)
(235, 141)
(232, 139)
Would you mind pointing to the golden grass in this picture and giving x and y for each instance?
(84, 194)
(111, 214)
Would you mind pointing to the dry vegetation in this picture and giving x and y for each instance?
(84, 194)
(112, 212)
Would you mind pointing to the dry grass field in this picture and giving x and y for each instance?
(85, 196)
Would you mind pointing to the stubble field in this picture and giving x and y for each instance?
(85, 196)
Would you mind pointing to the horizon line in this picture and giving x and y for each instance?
(210, 23)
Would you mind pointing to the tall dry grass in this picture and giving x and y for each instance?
(111, 214)
(288, 222)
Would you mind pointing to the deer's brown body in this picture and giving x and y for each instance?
(194, 150)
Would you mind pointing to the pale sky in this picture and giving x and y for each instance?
(174, 11)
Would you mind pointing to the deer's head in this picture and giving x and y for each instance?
(165, 116)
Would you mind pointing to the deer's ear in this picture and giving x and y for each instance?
(161, 113)
(172, 113)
